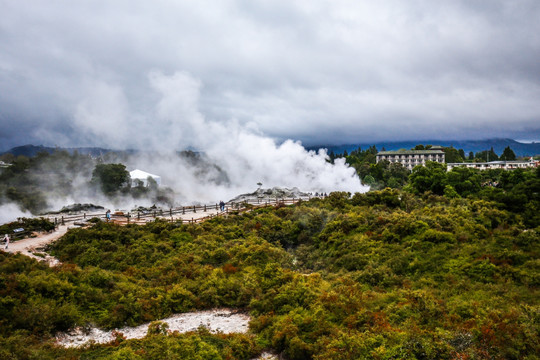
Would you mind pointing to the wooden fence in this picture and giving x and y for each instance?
(177, 214)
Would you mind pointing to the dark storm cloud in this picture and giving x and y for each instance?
(84, 72)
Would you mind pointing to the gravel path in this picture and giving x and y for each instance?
(29, 246)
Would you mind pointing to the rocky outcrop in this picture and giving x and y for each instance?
(270, 195)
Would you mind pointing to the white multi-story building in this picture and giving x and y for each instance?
(411, 158)
(506, 165)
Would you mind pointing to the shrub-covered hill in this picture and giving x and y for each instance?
(382, 275)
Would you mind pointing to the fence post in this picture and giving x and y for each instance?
(55, 221)
(216, 207)
(154, 214)
(194, 209)
(183, 210)
(128, 216)
(138, 215)
(63, 220)
(84, 215)
(204, 208)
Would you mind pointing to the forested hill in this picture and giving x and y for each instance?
(33, 150)
(520, 149)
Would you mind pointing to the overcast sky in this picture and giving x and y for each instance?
(102, 73)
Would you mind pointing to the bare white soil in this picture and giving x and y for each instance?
(217, 320)
(267, 356)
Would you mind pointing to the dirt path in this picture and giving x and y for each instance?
(29, 246)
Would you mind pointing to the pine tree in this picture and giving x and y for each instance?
(508, 154)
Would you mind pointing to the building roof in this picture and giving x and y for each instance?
(410, 152)
(139, 174)
(499, 162)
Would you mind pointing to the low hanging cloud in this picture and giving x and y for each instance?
(315, 71)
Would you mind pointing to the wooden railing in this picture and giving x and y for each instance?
(177, 214)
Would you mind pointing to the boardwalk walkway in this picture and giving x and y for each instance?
(189, 215)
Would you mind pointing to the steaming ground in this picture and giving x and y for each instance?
(10, 212)
(286, 166)
(236, 156)
(231, 158)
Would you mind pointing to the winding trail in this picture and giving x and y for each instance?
(30, 246)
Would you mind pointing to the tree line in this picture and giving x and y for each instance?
(395, 175)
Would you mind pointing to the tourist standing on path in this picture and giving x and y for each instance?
(6, 239)
(222, 205)
(108, 215)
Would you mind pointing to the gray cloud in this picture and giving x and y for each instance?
(76, 73)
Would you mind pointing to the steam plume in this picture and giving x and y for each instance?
(235, 156)
(245, 155)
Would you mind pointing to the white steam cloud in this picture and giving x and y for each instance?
(10, 212)
(242, 156)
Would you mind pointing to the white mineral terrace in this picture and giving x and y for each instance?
(217, 320)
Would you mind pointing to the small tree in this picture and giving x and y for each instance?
(452, 155)
(110, 178)
(152, 183)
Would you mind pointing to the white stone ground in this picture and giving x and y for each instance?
(226, 321)
(218, 320)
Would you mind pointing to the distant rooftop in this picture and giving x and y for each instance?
(432, 150)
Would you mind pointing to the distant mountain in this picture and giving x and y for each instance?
(33, 150)
(520, 149)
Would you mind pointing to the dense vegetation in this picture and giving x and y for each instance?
(394, 175)
(425, 273)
